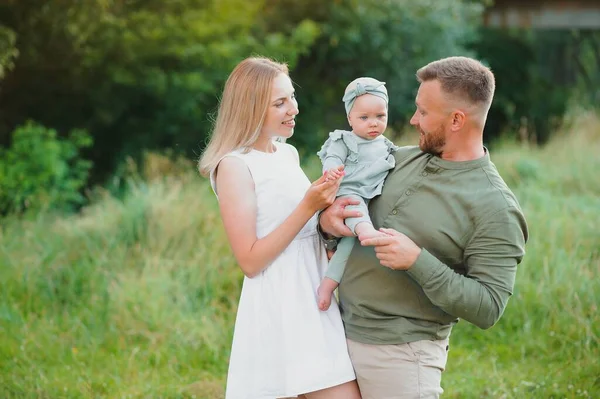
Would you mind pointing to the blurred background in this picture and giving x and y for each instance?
(115, 276)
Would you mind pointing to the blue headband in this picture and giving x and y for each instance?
(375, 88)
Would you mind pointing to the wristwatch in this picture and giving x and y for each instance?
(330, 243)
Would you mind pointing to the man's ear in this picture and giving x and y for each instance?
(458, 120)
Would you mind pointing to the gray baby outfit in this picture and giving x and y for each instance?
(367, 163)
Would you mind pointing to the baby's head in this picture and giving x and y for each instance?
(366, 102)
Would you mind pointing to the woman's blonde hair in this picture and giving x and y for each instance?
(242, 109)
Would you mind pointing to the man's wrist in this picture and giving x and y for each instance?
(331, 243)
(329, 240)
(424, 267)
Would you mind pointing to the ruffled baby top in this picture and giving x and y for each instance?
(367, 162)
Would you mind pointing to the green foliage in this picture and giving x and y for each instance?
(527, 170)
(147, 75)
(136, 75)
(388, 40)
(585, 53)
(41, 171)
(532, 95)
(8, 51)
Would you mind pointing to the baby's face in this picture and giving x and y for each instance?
(368, 116)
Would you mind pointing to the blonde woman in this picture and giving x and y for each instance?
(283, 346)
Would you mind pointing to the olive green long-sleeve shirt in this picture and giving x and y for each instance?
(472, 233)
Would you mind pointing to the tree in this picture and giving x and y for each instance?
(8, 51)
(137, 74)
(385, 39)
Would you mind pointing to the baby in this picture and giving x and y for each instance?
(367, 157)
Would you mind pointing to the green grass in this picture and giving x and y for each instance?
(136, 298)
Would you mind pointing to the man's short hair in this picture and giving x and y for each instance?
(464, 77)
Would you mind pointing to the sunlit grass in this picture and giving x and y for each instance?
(136, 297)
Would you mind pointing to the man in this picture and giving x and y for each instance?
(455, 235)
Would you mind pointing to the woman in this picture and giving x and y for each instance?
(283, 346)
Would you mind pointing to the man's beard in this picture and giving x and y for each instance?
(433, 143)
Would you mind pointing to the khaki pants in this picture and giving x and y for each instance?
(410, 370)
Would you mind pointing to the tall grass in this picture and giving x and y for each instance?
(136, 297)
(547, 345)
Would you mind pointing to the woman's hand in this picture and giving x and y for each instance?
(323, 191)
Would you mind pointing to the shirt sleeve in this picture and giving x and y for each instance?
(336, 155)
(491, 259)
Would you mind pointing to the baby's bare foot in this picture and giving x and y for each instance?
(370, 234)
(324, 293)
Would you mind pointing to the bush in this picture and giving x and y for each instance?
(42, 171)
(532, 94)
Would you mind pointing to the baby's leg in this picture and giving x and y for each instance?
(363, 223)
(337, 264)
(334, 273)
(366, 230)
(362, 226)
(325, 292)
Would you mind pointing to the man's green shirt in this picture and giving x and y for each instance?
(472, 233)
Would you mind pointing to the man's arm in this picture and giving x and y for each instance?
(491, 260)
(331, 220)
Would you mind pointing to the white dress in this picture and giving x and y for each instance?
(283, 345)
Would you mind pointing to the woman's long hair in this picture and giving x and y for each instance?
(242, 110)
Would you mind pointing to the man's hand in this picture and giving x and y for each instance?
(394, 250)
(332, 218)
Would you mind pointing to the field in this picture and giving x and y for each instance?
(135, 296)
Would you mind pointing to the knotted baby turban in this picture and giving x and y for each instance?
(361, 86)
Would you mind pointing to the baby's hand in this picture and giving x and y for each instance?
(323, 191)
(333, 174)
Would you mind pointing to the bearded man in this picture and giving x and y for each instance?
(455, 234)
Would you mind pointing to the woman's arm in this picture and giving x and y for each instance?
(237, 202)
